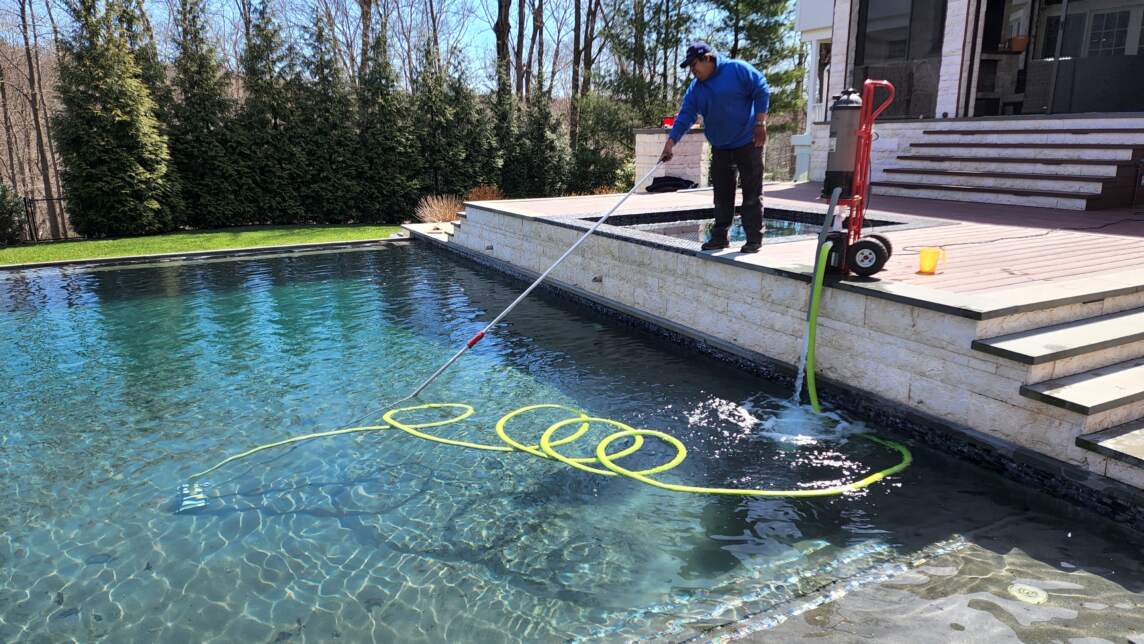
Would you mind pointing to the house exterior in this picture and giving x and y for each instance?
(1029, 102)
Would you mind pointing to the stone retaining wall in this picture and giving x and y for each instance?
(912, 358)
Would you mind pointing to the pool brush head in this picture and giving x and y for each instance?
(192, 496)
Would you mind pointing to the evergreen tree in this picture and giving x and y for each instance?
(263, 144)
(199, 125)
(542, 152)
(455, 130)
(328, 138)
(11, 216)
(132, 17)
(438, 147)
(504, 114)
(605, 143)
(387, 152)
(762, 32)
(114, 156)
(471, 126)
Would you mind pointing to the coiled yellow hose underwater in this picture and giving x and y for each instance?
(604, 463)
(550, 441)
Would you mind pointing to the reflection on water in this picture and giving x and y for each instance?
(121, 382)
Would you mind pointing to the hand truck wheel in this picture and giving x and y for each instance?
(866, 256)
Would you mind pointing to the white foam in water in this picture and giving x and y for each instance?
(797, 424)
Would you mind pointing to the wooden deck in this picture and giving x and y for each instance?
(993, 247)
(989, 248)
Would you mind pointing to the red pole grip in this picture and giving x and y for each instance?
(476, 338)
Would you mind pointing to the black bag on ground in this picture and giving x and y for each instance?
(670, 184)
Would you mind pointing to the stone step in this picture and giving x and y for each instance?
(1072, 347)
(1051, 130)
(1123, 442)
(1054, 136)
(1009, 196)
(996, 180)
(1084, 168)
(1011, 123)
(1041, 162)
(1015, 150)
(1093, 391)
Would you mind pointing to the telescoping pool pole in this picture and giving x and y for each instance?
(520, 298)
(193, 494)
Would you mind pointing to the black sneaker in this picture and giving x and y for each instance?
(714, 245)
(750, 247)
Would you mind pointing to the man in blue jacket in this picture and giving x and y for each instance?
(733, 98)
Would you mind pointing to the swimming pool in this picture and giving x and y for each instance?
(121, 382)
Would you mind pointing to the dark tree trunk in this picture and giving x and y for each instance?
(366, 9)
(666, 16)
(55, 29)
(519, 48)
(9, 138)
(47, 112)
(589, 43)
(34, 100)
(574, 101)
(528, 70)
(502, 29)
(538, 21)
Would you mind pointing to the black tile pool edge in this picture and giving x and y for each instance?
(1090, 491)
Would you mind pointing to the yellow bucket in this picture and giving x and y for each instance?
(928, 259)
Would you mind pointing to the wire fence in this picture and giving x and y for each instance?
(47, 220)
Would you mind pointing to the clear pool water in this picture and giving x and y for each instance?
(120, 382)
(700, 229)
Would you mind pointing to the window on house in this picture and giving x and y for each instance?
(1090, 62)
(1074, 37)
(1109, 34)
(901, 41)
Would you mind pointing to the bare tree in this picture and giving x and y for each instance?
(365, 15)
(590, 54)
(9, 135)
(501, 29)
(560, 28)
(43, 98)
(246, 15)
(537, 27)
(406, 24)
(55, 29)
(520, 48)
(41, 148)
(574, 98)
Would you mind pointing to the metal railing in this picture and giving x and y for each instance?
(47, 220)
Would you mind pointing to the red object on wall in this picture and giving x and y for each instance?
(668, 121)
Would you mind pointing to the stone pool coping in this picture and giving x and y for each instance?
(973, 306)
(203, 254)
(1053, 476)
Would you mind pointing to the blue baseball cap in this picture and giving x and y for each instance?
(696, 50)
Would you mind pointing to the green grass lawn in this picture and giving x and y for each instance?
(230, 238)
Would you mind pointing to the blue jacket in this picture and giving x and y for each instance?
(728, 101)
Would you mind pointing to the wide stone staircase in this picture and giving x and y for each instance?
(1092, 367)
(1079, 164)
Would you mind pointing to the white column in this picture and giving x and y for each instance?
(953, 48)
(801, 142)
(840, 63)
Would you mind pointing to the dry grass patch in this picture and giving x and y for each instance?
(437, 208)
(485, 193)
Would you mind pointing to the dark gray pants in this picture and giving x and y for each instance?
(748, 161)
